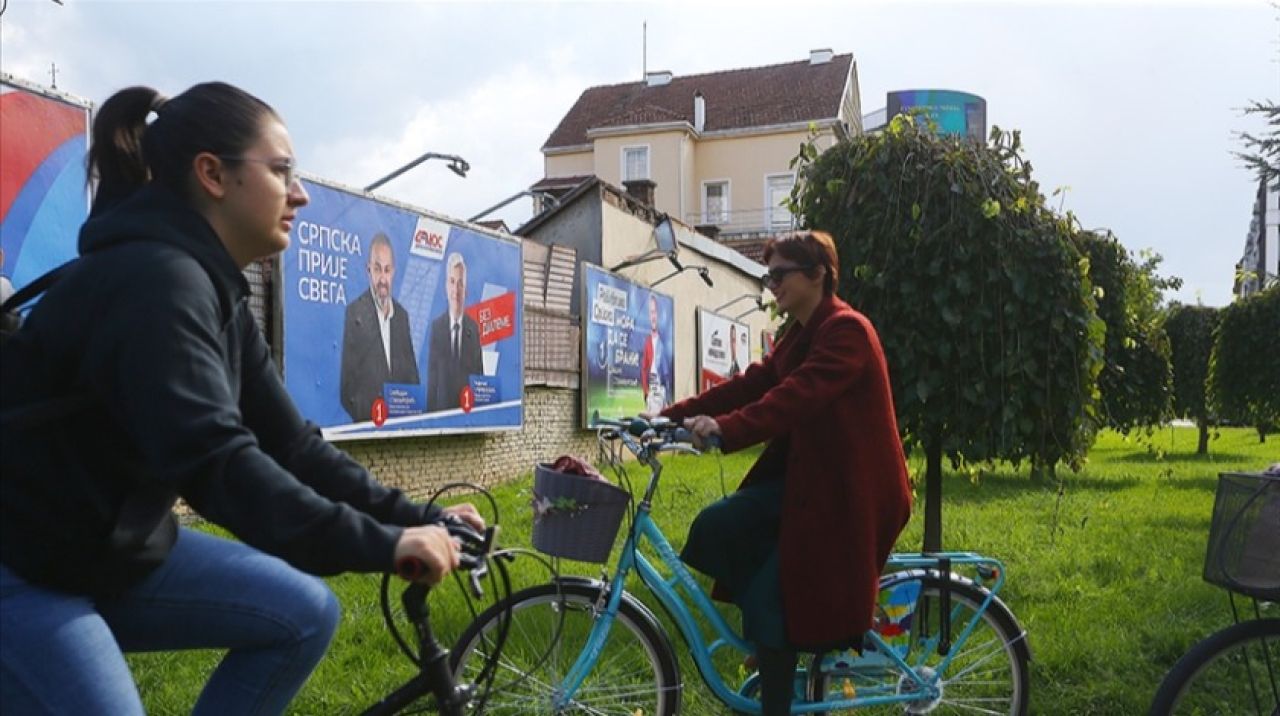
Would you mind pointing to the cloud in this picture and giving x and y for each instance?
(497, 126)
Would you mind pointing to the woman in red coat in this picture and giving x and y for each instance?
(800, 545)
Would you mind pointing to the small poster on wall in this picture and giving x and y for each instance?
(723, 348)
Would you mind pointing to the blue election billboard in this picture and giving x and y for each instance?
(628, 361)
(399, 322)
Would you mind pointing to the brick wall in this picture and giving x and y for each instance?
(420, 465)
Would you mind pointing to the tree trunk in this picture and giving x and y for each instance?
(1203, 447)
(1262, 433)
(933, 496)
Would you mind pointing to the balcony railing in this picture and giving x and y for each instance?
(744, 221)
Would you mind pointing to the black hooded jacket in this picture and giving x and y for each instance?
(181, 399)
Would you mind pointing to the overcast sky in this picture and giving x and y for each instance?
(1132, 106)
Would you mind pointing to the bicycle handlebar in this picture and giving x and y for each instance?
(475, 549)
(660, 433)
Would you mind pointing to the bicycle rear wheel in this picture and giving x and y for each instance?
(1232, 672)
(635, 673)
(987, 673)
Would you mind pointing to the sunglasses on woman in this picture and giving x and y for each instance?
(778, 274)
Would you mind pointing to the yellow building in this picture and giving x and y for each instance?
(712, 150)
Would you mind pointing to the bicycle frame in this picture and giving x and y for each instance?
(667, 591)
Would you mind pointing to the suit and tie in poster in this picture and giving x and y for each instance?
(399, 322)
(455, 344)
(376, 347)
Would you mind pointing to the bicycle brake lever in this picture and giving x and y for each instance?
(476, 575)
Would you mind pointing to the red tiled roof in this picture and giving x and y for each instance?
(751, 248)
(644, 114)
(735, 99)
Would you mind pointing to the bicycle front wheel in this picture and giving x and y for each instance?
(1232, 672)
(635, 672)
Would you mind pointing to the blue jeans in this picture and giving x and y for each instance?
(62, 653)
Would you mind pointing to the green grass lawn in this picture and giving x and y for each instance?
(1106, 580)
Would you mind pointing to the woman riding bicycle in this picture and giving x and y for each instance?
(800, 546)
(141, 377)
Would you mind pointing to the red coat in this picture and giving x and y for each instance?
(826, 388)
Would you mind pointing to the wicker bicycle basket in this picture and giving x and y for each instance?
(575, 517)
(1244, 537)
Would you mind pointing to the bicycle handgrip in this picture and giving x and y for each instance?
(410, 569)
(682, 435)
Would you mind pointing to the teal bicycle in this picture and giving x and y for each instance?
(588, 646)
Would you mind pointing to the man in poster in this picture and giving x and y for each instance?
(734, 367)
(376, 348)
(651, 367)
(454, 355)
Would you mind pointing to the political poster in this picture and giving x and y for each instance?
(766, 342)
(724, 348)
(628, 361)
(44, 197)
(398, 321)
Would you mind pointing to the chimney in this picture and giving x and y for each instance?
(699, 111)
(658, 78)
(641, 190)
(820, 57)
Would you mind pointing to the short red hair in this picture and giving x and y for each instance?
(810, 249)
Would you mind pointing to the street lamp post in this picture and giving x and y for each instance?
(457, 165)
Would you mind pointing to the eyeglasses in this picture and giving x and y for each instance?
(777, 275)
(284, 167)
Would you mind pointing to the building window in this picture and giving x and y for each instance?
(777, 189)
(715, 202)
(635, 163)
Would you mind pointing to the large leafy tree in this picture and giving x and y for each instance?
(1261, 151)
(1136, 382)
(980, 295)
(1190, 330)
(1244, 367)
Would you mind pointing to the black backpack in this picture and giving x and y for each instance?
(33, 414)
(10, 310)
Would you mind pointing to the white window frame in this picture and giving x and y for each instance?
(769, 208)
(728, 201)
(622, 161)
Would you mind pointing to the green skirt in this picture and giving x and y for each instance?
(735, 541)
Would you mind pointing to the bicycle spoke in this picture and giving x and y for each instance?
(549, 634)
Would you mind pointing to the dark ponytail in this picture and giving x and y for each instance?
(115, 157)
(127, 152)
